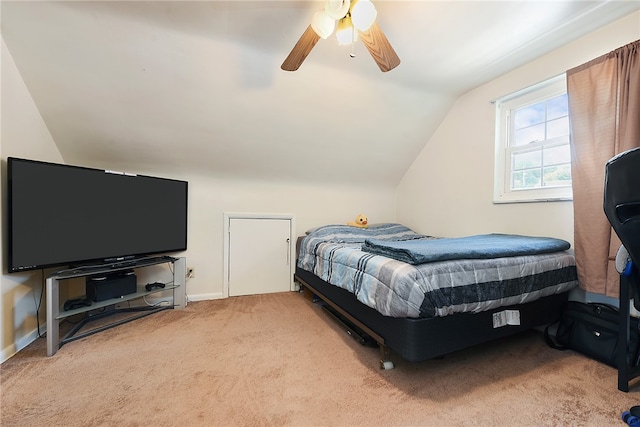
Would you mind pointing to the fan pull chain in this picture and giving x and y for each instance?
(353, 43)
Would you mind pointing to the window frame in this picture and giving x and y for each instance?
(502, 169)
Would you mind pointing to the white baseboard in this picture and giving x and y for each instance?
(205, 297)
(21, 343)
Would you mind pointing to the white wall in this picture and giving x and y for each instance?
(23, 134)
(448, 190)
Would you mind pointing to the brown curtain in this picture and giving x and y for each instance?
(604, 112)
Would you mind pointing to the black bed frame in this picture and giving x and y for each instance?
(419, 339)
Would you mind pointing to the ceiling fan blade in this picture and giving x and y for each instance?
(379, 47)
(307, 41)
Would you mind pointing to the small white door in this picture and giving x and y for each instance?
(259, 256)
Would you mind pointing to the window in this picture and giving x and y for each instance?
(533, 157)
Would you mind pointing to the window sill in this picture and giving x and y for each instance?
(507, 200)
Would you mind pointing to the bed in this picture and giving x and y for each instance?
(422, 297)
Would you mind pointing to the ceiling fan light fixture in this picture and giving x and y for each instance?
(363, 14)
(346, 32)
(337, 9)
(366, 29)
(323, 24)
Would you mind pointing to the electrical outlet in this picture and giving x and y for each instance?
(191, 272)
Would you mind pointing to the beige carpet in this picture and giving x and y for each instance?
(278, 360)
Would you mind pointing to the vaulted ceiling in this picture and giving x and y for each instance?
(196, 87)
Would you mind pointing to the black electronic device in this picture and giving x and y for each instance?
(154, 285)
(113, 285)
(62, 215)
(74, 303)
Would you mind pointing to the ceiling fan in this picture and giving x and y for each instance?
(352, 19)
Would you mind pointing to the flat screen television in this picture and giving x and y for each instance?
(62, 215)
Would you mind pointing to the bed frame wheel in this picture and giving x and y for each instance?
(385, 361)
(386, 365)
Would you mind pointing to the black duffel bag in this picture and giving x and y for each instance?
(592, 329)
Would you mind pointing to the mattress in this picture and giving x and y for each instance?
(433, 289)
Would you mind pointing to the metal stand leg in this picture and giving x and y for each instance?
(73, 334)
(53, 324)
(179, 279)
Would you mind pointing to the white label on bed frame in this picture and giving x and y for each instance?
(506, 317)
(513, 317)
(499, 319)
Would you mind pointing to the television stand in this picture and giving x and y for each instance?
(55, 314)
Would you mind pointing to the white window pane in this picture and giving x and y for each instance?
(558, 127)
(527, 116)
(532, 144)
(557, 107)
(531, 159)
(526, 179)
(557, 155)
(555, 176)
(528, 134)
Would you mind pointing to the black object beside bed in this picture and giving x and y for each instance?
(418, 338)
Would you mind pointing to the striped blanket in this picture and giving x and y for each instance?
(397, 289)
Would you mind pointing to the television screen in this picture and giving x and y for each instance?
(69, 215)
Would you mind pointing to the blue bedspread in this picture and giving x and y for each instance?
(483, 246)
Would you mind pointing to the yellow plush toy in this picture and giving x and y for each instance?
(361, 221)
